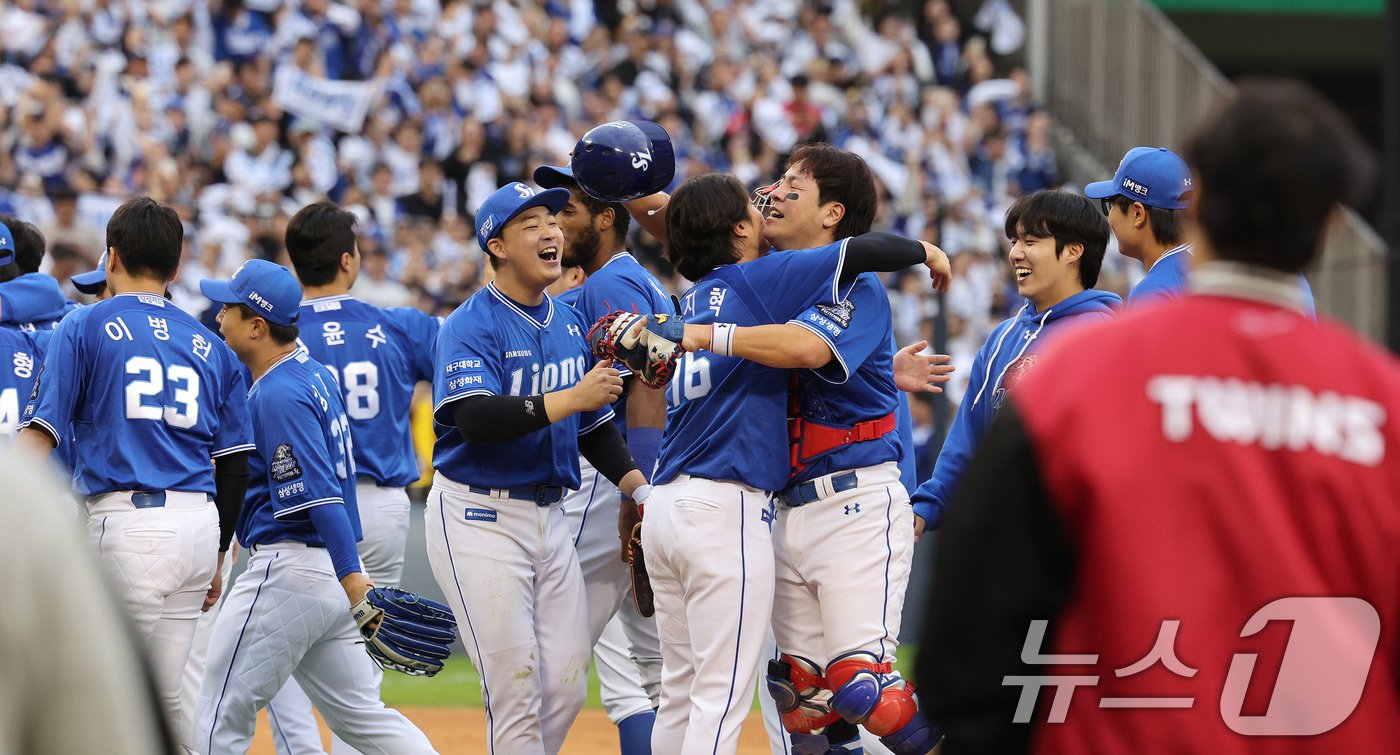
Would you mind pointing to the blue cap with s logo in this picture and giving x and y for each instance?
(7, 246)
(1154, 176)
(511, 200)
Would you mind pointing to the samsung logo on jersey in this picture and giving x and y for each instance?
(151, 299)
(519, 353)
(325, 306)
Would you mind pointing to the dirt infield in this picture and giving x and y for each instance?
(462, 731)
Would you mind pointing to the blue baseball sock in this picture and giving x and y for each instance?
(635, 733)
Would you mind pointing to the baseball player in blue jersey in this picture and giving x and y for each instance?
(837, 621)
(515, 403)
(149, 396)
(20, 358)
(707, 530)
(1143, 203)
(29, 299)
(595, 234)
(288, 614)
(620, 687)
(1058, 242)
(377, 356)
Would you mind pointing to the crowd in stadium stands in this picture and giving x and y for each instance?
(410, 112)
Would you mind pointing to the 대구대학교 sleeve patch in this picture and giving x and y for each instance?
(284, 463)
(839, 313)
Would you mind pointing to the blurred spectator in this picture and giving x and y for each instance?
(410, 112)
(68, 228)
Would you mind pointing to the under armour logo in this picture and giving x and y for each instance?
(852, 507)
(575, 330)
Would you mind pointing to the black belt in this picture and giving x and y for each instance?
(807, 492)
(540, 495)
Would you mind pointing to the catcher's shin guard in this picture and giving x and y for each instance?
(865, 692)
(794, 683)
(917, 737)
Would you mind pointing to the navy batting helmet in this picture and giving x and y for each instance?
(624, 160)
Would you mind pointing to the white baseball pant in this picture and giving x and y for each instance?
(199, 650)
(511, 575)
(709, 552)
(825, 607)
(287, 616)
(629, 672)
(384, 521)
(163, 561)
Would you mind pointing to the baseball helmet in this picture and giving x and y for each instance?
(624, 160)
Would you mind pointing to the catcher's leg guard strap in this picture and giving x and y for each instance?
(794, 682)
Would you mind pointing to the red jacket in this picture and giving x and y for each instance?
(1194, 461)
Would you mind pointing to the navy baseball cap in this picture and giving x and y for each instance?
(93, 281)
(7, 246)
(266, 287)
(555, 177)
(1154, 176)
(511, 200)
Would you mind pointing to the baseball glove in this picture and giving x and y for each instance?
(642, 595)
(649, 345)
(404, 631)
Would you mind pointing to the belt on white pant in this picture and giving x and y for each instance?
(540, 495)
(151, 499)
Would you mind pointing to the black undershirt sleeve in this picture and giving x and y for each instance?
(230, 485)
(496, 419)
(1005, 558)
(605, 449)
(880, 253)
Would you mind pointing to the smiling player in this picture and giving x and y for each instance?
(1057, 245)
(516, 403)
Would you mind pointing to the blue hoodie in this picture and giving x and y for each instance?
(33, 301)
(1001, 361)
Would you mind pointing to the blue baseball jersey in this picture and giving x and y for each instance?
(728, 416)
(1170, 276)
(904, 428)
(858, 384)
(570, 297)
(493, 346)
(622, 284)
(304, 455)
(20, 360)
(1166, 280)
(377, 355)
(148, 394)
